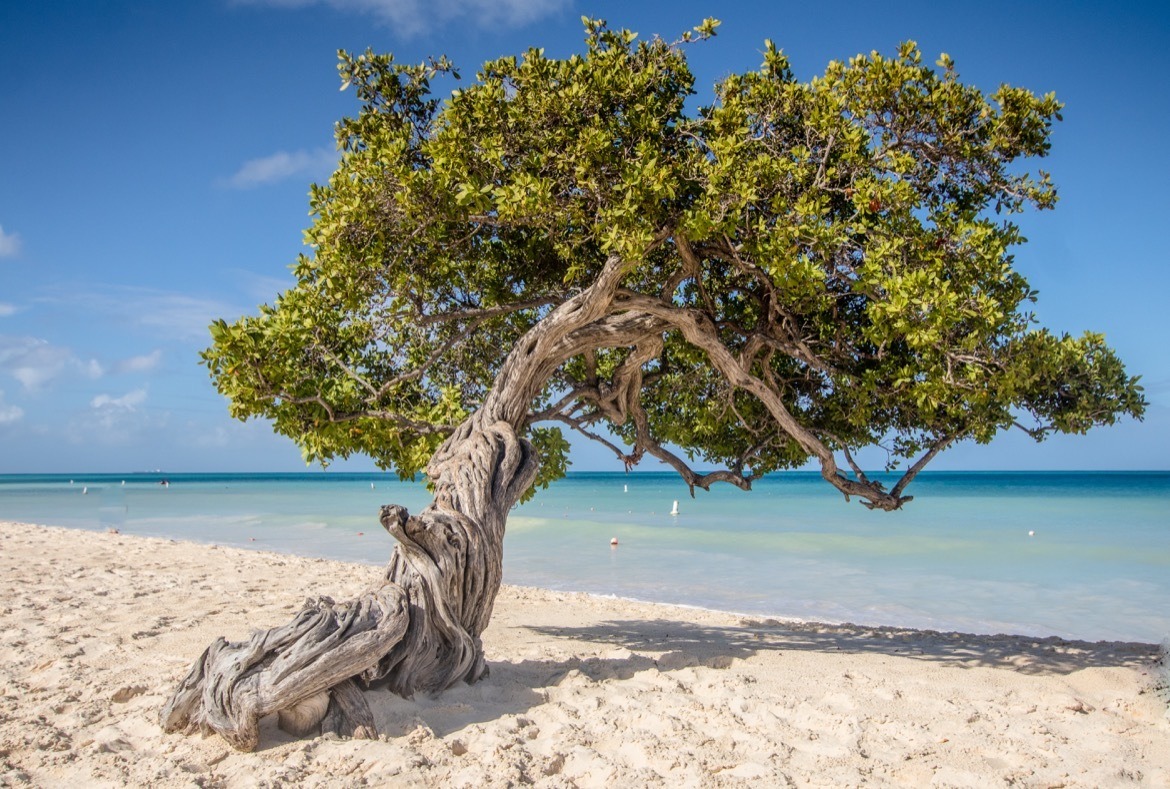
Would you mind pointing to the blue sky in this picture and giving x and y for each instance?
(155, 160)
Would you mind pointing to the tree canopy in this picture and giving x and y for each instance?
(796, 271)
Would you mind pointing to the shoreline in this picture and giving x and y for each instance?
(97, 628)
(262, 545)
(963, 558)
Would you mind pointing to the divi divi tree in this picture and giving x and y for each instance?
(797, 271)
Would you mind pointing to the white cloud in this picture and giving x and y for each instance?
(164, 314)
(117, 421)
(263, 288)
(139, 364)
(316, 164)
(7, 309)
(127, 402)
(9, 244)
(117, 415)
(9, 413)
(35, 362)
(183, 317)
(412, 17)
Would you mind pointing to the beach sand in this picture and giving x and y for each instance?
(96, 629)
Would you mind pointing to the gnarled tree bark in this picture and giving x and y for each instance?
(419, 629)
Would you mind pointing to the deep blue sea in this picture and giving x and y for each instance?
(1081, 555)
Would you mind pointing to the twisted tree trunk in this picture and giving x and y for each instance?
(418, 630)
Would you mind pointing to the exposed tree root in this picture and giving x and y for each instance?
(419, 630)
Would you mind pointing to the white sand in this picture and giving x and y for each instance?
(96, 629)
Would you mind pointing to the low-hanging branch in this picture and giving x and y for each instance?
(699, 332)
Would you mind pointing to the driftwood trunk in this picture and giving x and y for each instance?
(418, 630)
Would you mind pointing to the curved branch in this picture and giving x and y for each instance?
(1037, 433)
(912, 472)
(793, 345)
(693, 478)
(577, 425)
(418, 370)
(702, 333)
(483, 313)
(857, 470)
(334, 417)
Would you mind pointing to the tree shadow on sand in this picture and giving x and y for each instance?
(618, 650)
(1025, 654)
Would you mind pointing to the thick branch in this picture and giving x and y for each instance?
(540, 350)
(693, 478)
(700, 332)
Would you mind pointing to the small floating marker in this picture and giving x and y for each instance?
(251, 539)
(613, 541)
(674, 509)
(625, 488)
(361, 534)
(85, 491)
(123, 482)
(70, 482)
(1031, 533)
(371, 486)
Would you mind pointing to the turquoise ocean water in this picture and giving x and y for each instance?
(959, 557)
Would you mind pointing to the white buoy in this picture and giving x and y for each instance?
(613, 541)
(1031, 533)
(123, 482)
(85, 491)
(625, 488)
(371, 486)
(674, 509)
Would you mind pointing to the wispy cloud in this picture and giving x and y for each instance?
(7, 309)
(263, 288)
(9, 413)
(35, 362)
(115, 414)
(127, 402)
(9, 244)
(183, 317)
(282, 165)
(164, 314)
(139, 364)
(413, 17)
(116, 419)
